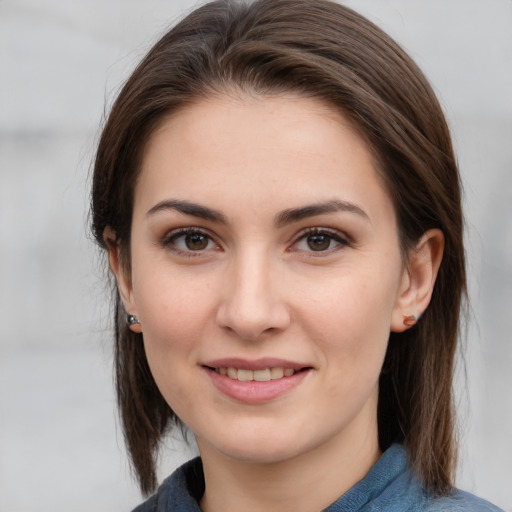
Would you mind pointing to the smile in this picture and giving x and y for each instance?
(263, 375)
(257, 381)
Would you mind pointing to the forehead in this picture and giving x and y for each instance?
(259, 150)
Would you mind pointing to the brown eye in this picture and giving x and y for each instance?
(196, 242)
(189, 241)
(319, 242)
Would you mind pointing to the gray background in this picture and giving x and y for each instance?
(60, 64)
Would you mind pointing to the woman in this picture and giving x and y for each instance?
(277, 192)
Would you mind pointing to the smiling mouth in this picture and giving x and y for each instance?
(263, 375)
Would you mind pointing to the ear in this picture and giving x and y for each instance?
(123, 278)
(418, 280)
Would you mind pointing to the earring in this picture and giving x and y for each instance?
(410, 320)
(132, 320)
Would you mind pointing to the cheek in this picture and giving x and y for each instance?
(350, 304)
(173, 317)
(349, 319)
(174, 313)
(171, 306)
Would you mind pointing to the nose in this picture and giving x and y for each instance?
(253, 302)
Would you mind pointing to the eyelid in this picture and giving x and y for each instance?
(340, 237)
(170, 236)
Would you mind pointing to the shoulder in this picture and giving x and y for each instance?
(181, 491)
(460, 501)
(392, 486)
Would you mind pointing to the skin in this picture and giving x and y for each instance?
(248, 286)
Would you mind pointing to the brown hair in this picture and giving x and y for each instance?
(327, 51)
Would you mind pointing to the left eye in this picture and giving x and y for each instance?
(319, 242)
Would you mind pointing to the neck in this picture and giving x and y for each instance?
(309, 481)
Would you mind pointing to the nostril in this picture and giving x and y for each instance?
(253, 321)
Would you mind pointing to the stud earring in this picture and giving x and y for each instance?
(410, 320)
(132, 320)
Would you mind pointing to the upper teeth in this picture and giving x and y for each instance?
(259, 375)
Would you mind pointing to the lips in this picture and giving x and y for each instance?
(255, 381)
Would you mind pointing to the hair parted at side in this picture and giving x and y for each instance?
(323, 50)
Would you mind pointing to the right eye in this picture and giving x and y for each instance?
(189, 242)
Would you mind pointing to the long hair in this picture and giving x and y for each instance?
(321, 50)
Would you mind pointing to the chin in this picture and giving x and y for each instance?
(261, 448)
(262, 455)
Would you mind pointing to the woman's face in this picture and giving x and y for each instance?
(265, 246)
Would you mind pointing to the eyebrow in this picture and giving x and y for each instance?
(188, 208)
(295, 214)
(288, 216)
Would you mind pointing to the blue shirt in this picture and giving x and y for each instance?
(390, 486)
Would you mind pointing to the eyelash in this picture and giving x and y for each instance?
(333, 235)
(169, 241)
